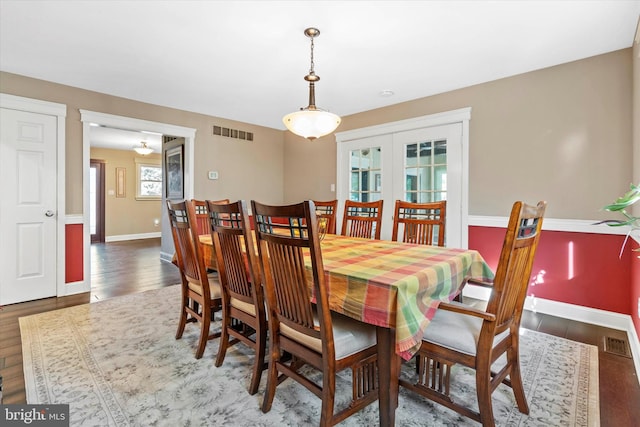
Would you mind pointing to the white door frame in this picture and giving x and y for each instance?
(462, 115)
(60, 112)
(90, 118)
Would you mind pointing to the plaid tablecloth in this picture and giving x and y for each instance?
(394, 284)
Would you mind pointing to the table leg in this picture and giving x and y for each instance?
(388, 372)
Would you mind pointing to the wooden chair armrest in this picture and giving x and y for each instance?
(465, 309)
(476, 282)
(479, 283)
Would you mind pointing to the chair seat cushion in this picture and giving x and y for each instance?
(349, 336)
(214, 287)
(457, 331)
(244, 306)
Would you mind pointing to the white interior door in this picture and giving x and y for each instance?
(28, 206)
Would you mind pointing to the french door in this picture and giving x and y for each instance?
(419, 164)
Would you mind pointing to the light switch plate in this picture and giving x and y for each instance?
(213, 174)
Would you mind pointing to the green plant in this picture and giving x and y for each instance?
(620, 205)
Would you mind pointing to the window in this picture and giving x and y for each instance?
(148, 180)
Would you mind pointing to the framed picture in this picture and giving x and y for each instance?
(174, 166)
(121, 182)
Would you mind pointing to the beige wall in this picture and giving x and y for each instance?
(126, 215)
(562, 134)
(247, 169)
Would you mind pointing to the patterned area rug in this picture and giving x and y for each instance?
(117, 363)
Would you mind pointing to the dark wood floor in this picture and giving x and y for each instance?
(122, 268)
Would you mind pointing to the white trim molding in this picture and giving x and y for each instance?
(552, 224)
(60, 112)
(166, 257)
(139, 236)
(448, 117)
(74, 219)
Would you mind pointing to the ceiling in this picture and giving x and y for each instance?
(245, 60)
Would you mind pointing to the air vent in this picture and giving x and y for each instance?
(233, 133)
(166, 138)
(617, 346)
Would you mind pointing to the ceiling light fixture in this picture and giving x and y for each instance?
(311, 122)
(143, 150)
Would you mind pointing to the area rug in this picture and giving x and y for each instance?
(117, 363)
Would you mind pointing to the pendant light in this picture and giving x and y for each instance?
(311, 122)
(143, 150)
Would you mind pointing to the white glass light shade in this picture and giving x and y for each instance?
(311, 124)
(143, 150)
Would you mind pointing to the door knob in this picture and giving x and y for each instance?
(49, 214)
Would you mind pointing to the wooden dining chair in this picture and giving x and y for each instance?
(421, 223)
(243, 308)
(362, 219)
(204, 228)
(291, 261)
(476, 338)
(201, 297)
(327, 209)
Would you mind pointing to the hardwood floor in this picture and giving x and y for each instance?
(121, 268)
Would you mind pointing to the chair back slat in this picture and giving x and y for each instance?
(202, 214)
(327, 209)
(233, 242)
(421, 223)
(513, 273)
(362, 219)
(182, 218)
(285, 235)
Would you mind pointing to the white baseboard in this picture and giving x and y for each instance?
(124, 237)
(166, 257)
(578, 313)
(73, 288)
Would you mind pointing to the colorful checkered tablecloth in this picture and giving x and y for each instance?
(393, 284)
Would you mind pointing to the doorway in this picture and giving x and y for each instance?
(91, 119)
(96, 200)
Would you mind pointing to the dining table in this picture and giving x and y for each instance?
(396, 287)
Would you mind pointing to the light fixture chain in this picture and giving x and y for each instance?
(312, 64)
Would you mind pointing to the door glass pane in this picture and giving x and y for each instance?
(411, 179)
(355, 181)
(425, 197)
(425, 153)
(425, 171)
(366, 174)
(440, 148)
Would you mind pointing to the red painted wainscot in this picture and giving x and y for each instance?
(73, 253)
(635, 287)
(575, 268)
